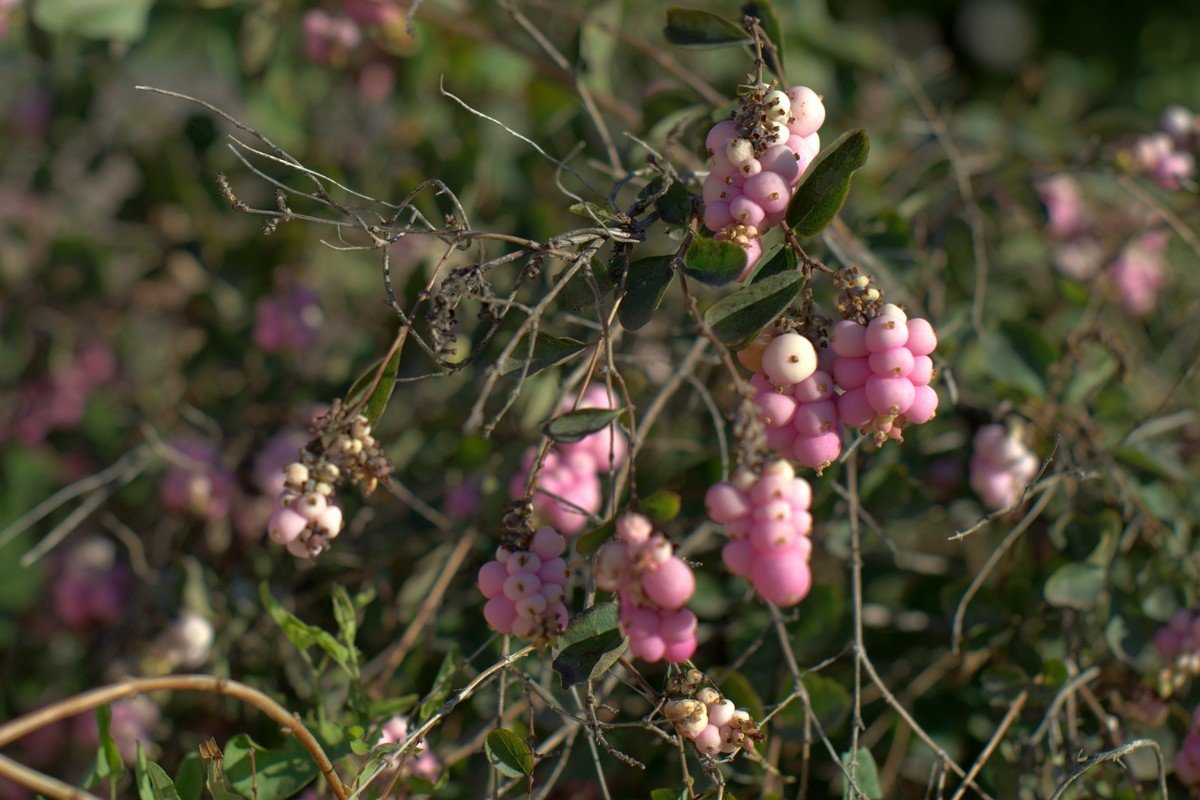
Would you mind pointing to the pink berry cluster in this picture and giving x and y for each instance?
(1178, 646)
(1001, 466)
(58, 400)
(90, 588)
(795, 398)
(423, 763)
(884, 369)
(525, 588)
(712, 723)
(196, 482)
(768, 522)
(568, 488)
(1137, 273)
(1187, 757)
(755, 161)
(1168, 155)
(652, 585)
(306, 516)
(287, 320)
(1078, 252)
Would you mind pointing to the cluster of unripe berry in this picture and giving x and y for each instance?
(1168, 155)
(755, 161)
(568, 488)
(306, 516)
(525, 588)
(652, 585)
(713, 724)
(1001, 466)
(768, 522)
(1178, 646)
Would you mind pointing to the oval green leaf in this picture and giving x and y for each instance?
(713, 262)
(645, 286)
(826, 182)
(590, 645)
(548, 351)
(738, 318)
(508, 753)
(575, 425)
(691, 27)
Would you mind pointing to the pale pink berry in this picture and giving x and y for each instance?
(815, 419)
(491, 578)
(780, 160)
(547, 543)
(717, 215)
(522, 584)
(329, 523)
(848, 339)
(886, 331)
(725, 502)
(285, 524)
(634, 529)
(771, 487)
(782, 579)
(531, 607)
(924, 405)
(682, 650)
(678, 626)
(808, 112)
(553, 570)
(738, 554)
(671, 584)
(774, 510)
(500, 612)
(768, 535)
(746, 212)
(895, 362)
(750, 167)
(801, 495)
(769, 190)
(852, 373)
(721, 712)
(648, 647)
(720, 135)
(889, 396)
(523, 561)
(818, 386)
(921, 338)
(709, 740)
(922, 371)
(854, 408)
(776, 408)
(788, 359)
(817, 452)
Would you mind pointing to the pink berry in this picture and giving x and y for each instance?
(720, 712)
(522, 584)
(922, 371)
(889, 396)
(848, 339)
(924, 405)
(523, 561)
(770, 190)
(492, 576)
(808, 112)
(783, 579)
(750, 167)
(675, 652)
(854, 408)
(817, 452)
(678, 626)
(768, 488)
(781, 160)
(801, 496)
(648, 647)
(717, 215)
(780, 439)
(285, 525)
(896, 362)
(814, 419)
(716, 189)
(553, 570)
(737, 555)
(788, 359)
(671, 585)
(709, 740)
(818, 386)
(775, 510)
(802, 521)
(885, 332)
(634, 529)
(725, 502)
(851, 373)
(547, 543)
(745, 211)
(500, 612)
(524, 627)
(921, 339)
(531, 607)
(768, 535)
(720, 135)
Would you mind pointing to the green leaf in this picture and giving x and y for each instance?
(675, 205)
(189, 777)
(714, 262)
(830, 700)
(383, 390)
(780, 258)
(738, 318)
(276, 773)
(548, 351)
(593, 211)
(826, 182)
(768, 20)
(590, 645)
(152, 782)
(441, 686)
(738, 688)
(662, 506)
(590, 542)
(123, 20)
(1004, 362)
(645, 286)
(301, 634)
(576, 425)
(866, 776)
(508, 754)
(345, 614)
(690, 27)
(215, 781)
(109, 763)
(1075, 586)
(665, 794)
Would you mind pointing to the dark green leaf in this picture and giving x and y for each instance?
(675, 205)
(713, 262)
(152, 782)
(189, 777)
(383, 390)
(830, 700)
(768, 20)
(662, 506)
(576, 425)
(109, 763)
(866, 776)
(548, 351)
(1075, 586)
(826, 182)
(301, 634)
(590, 645)
(590, 542)
(277, 773)
(508, 754)
(645, 286)
(441, 686)
(1004, 362)
(738, 318)
(780, 258)
(689, 27)
(738, 688)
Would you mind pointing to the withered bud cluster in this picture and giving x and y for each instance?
(858, 298)
(762, 108)
(343, 451)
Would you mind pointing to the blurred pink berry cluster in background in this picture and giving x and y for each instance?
(768, 523)
(1168, 155)
(196, 482)
(367, 33)
(1001, 466)
(90, 587)
(287, 320)
(755, 161)
(57, 401)
(652, 585)
(421, 761)
(568, 487)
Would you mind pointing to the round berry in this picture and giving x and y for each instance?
(553, 570)
(780, 439)
(854, 408)
(675, 652)
(808, 112)
(885, 332)
(851, 373)
(814, 419)
(771, 487)
(678, 626)
(634, 529)
(769, 535)
(769, 190)
(717, 216)
(923, 407)
(750, 168)
(774, 510)
(921, 338)
(547, 543)
(896, 362)
(780, 160)
(716, 188)
(818, 452)
(521, 585)
(720, 712)
(725, 502)
(779, 107)
(286, 525)
(739, 151)
(848, 339)
(720, 135)
(709, 740)
(531, 607)
(818, 386)
(523, 561)
(889, 396)
(775, 408)
(500, 612)
(648, 647)
(746, 212)
(782, 578)
(922, 371)
(491, 578)
(789, 359)
(737, 555)
(671, 585)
